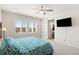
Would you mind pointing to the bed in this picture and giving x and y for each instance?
(26, 46)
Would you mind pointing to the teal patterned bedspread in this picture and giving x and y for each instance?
(25, 46)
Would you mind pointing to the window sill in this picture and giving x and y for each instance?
(25, 32)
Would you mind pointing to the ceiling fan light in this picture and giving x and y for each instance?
(41, 12)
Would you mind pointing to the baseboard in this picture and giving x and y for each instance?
(68, 44)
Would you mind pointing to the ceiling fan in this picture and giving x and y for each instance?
(43, 10)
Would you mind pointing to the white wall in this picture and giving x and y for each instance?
(0, 28)
(0, 16)
(9, 21)
(68, 35)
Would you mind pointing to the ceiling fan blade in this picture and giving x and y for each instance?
(35, 8)
(48, 10)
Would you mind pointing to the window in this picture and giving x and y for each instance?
(21, 26)
(32, 27)
(18, 26)
(24, 26)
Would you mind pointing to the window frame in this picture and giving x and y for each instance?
(27, 27)
(21, 27)
(32, 27)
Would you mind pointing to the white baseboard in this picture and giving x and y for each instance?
(69, 44)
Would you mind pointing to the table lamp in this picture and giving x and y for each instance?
(4, 32)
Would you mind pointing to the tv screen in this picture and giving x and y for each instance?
(66, 22)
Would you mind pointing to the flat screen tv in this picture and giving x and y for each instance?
(66, 22)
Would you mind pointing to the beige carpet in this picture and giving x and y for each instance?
(61, 49)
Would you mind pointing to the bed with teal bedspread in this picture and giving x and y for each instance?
(25, 46)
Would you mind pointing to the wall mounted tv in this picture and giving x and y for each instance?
(66, 22)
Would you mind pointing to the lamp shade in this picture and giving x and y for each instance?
(3, 29)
